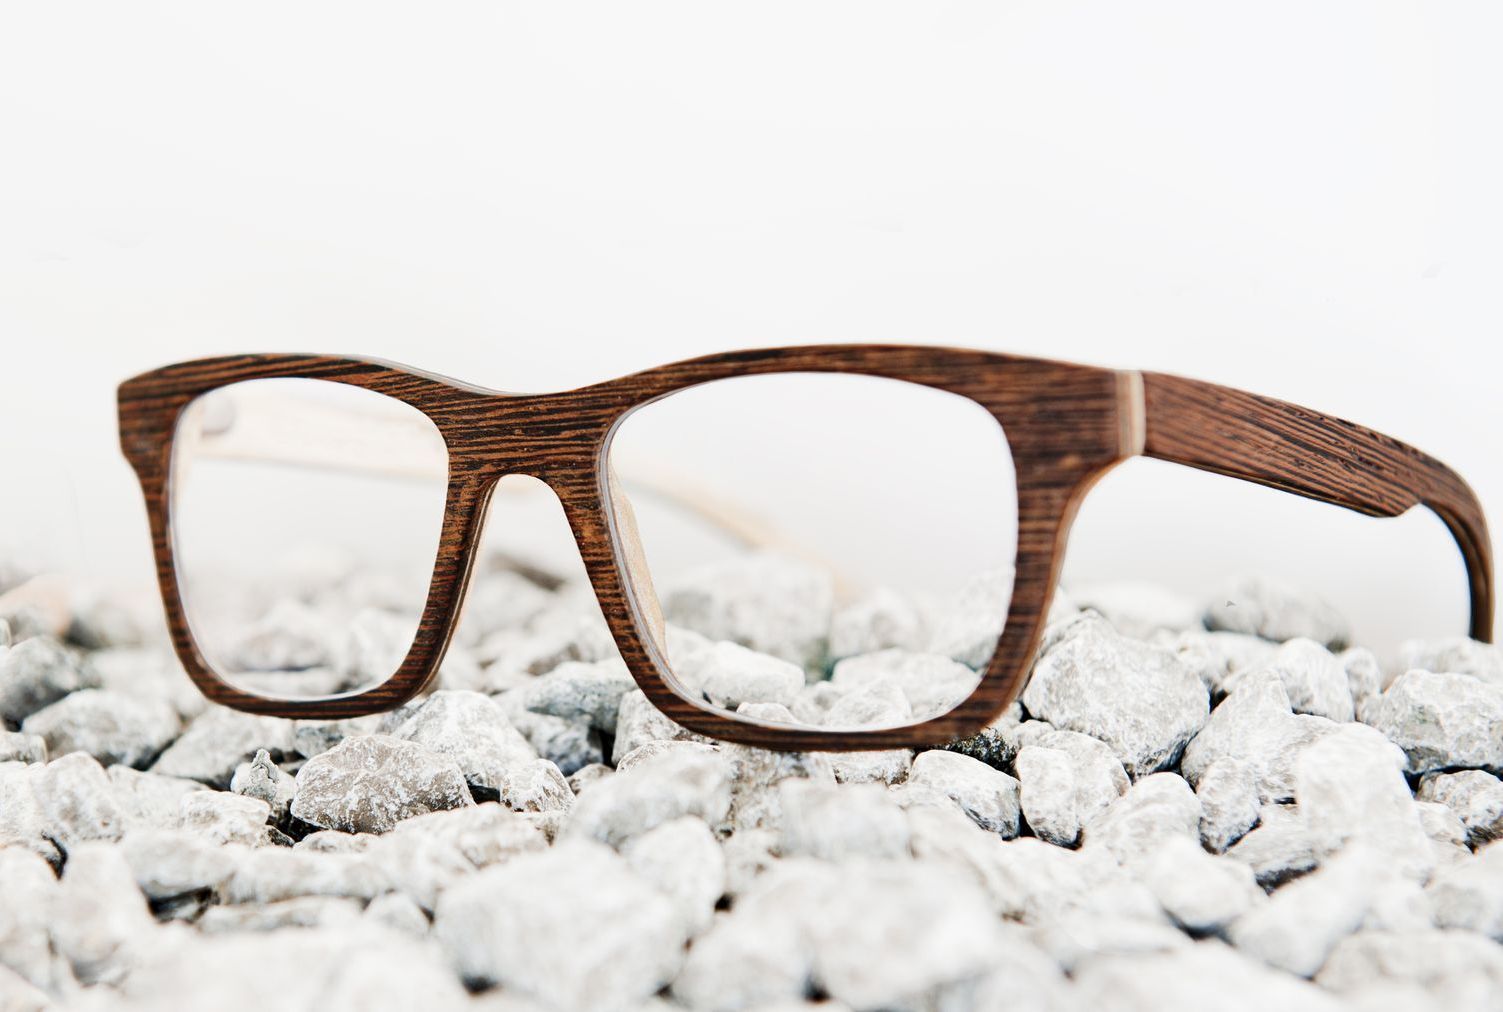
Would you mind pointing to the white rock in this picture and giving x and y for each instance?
(1350, 787)
(222, 818)
(684, 860)
(23, 824)
(1459, 655)
(1047, 794)
(1137, 698)
(1277, 850)
(1155, 809)
(1451, 969)
(372, 782)
(77, 800)
(968, 626)
(768, 603)
(518, 925)
(149, 799)
(640, 722)
(576, 690)
(1139, 609)
(989, 797)
(931, 683)
(1475, 797)
(167, 862)
(485, 834)
(265, 781)
(36, 672)
(400, 913)
(1314, 679)
(290, 637)
(1443, 721)
(1217, 657)
(270, 874)
(218, 741)
(299, 912)
(18, 747)
(755, 802)
(1229, 802)
(1302, 922)
(17, 994)
(730, 674)
(473, 731)
(1080, 937)
(419, 865)
(881, 620)
(835, 823)
(1203, 893)
(30, 890)
(648, 794)
(100, 919)
(1207, 975)
(110, 726)
(1469, 894)
(1275, 612)
(1364, 679)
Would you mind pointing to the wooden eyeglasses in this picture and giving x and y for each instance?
(1066, 426)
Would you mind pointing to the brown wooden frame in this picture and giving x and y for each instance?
(1066, 426)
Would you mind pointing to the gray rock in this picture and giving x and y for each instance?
(729, 675)
(768, 603)
(968, 626)
(1207, 975)
(101, 621)
(299, 912)
(1263, 608)
(1047, 794)
(648, 794)
(1229, 802)
(1314, 679)
(640, 722)
(1469, 894)
(579, 691)
(270, 874)
(1302, 922)
(100, 919)
(150, 673)
(218, 741)
(313, 737)
(30, 890)
(1364, 679)
(472, 730)
(881, 620)
(222, 818)
(989, 797)
(561, 634)
(1350, 788)
(77, 800)
(149, 799)
(932, 684)
(36, 672)
(167, 863)
(879, 702)
(18, 747)
(684, 860)
(1443, 721)
(1139, 609)
(571, 745)
(1451, 969)
(998, 743)
(517, 925)
(265, 781)
(755, 802)
(1277, 850)
(1459, 655)
(836, 823)
(1203, 893)
(111, 727)
(1475, 797)
(1137, 698)
(1256, 725)
(372, 782)
(1155, 809)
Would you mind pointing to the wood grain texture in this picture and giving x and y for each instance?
(1320, 457)
(1066, 425)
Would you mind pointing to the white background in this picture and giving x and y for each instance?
(1301, 199)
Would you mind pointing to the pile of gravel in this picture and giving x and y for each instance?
(1189, 808)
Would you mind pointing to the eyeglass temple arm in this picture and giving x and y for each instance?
(1284, 446)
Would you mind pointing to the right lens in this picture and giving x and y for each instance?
(833, 551)
(306, 518)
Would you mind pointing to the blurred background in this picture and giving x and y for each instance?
(1297, 199)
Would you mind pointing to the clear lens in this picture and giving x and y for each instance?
(306, 518)
(823, 550)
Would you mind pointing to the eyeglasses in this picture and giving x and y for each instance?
(907, 463)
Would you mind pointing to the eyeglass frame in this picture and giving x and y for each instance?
(1066, 426)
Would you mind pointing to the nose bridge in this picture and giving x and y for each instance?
(555, 438)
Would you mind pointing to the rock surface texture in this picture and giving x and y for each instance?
(1192, 806)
